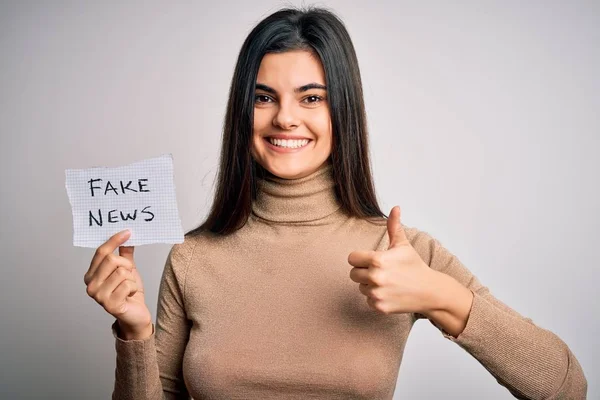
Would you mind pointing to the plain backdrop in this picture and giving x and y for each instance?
(484, 128)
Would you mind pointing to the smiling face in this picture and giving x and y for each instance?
(292, 133)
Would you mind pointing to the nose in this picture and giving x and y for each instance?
(286, 118)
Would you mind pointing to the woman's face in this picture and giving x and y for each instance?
(292, 134)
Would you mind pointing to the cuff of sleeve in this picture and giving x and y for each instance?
(131, 352)
(116, 331)
(135, 364)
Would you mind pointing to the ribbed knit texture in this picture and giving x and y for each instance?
(270, 312)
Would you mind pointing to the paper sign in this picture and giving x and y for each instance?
(138, 196)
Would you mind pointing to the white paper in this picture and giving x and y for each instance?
(139, 196)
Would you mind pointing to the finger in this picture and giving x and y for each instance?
(127, 252)
(105, 290)
(360, 275)
(365, 289)
(105, 249)
(373, 303)
(361, 258)
(394, 226)
(371, 291)
(117, 301)
(106, 268)
(110, 246)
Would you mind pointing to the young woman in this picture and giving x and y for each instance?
(297, 285)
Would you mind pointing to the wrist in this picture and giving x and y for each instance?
(450, 304)
(444, 292)
(128, 333)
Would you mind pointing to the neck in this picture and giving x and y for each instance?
(298, 200)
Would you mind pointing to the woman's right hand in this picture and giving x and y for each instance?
(114, 282)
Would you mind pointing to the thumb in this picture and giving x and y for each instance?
(127, 252)
(395, 229)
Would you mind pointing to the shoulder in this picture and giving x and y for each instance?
(181, 254)
(418, 238)
(430, 249)
(193, 246)
(421, 240)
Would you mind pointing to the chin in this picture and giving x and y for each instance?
(287, 170)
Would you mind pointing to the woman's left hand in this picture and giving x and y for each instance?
(395, 280)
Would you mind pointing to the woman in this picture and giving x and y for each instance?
(297, 285)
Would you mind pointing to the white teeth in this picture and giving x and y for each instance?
(292, 144)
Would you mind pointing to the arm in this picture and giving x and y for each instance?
(451, 304)
(531, 362)
(151, 368)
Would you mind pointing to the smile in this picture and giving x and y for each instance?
(286, 146)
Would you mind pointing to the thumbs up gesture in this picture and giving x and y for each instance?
(395, 280)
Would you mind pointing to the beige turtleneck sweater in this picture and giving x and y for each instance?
(270, 312)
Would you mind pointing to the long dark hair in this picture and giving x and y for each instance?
(320, 31)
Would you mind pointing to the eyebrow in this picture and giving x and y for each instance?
(300, 89)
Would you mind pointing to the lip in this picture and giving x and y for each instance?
(287, 137)
(283, 149)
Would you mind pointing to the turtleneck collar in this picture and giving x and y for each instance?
(296, 200)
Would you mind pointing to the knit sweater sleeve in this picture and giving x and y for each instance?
(151, 368)
(531, 362)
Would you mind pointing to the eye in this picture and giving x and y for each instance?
(262, 98)
(313, 99)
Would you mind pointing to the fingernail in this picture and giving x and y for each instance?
(124, 233)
